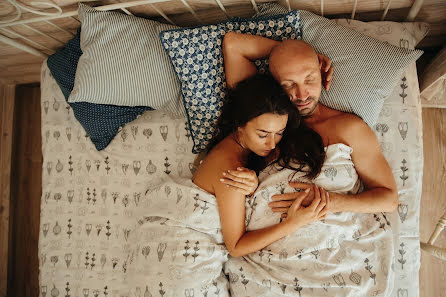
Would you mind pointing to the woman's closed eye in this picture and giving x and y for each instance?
(265, 135)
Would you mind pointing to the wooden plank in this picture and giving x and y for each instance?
(26, 190)
(6, 126)
(345, 6)
(433, 202)
(433, 12)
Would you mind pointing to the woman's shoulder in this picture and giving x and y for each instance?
(221, 158)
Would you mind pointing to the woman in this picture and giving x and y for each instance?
(259, 126)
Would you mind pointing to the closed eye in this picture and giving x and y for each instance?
(287, 85)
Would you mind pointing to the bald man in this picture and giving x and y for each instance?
(302, 73)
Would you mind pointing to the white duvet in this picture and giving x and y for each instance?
(347, 254)
(177, 246)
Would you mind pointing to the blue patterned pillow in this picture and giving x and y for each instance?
(197, 58)
(101, 122)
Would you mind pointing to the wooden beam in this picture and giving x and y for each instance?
(7, 93)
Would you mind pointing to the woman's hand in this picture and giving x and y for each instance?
(326, 70)
(243, 180)
(299, 215)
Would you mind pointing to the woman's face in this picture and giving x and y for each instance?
(261, 134)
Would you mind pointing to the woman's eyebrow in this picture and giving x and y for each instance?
(261, 130)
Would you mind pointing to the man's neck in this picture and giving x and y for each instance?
(316, 115)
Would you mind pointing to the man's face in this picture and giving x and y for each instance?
(298, 71)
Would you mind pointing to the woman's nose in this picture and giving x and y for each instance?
(271, 142)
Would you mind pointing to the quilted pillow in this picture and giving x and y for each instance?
(197, 58)
(101, 122)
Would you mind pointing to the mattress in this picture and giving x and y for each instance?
(89, 198)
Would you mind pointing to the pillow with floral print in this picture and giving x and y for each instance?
(197, 58)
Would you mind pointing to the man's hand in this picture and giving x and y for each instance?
(326, 70)
(282, 202)
(299, 187)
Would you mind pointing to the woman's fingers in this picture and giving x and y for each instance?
(278, 204)
(298, 202)
(317, 199)
(241, 175)
(323, 200)
(327, 199)
(235, 184)
(323, 212)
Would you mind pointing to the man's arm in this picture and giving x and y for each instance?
(239, 51)
(380, 192)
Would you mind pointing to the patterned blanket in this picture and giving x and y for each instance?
(347, 254)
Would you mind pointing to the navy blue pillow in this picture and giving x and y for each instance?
(101, 122)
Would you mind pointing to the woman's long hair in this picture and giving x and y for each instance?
(300, 148)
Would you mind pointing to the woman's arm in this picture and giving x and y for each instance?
(231, 206)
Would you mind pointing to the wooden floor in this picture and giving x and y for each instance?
(433, 201)
(26, 192)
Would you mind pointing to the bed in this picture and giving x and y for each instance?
(94, 239)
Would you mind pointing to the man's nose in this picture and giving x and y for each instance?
(298, 93)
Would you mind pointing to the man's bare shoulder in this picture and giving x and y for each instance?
(349, 128)
(348, 121)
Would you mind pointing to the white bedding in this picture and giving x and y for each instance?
(177, 242)
(347, 254)
(90, 198)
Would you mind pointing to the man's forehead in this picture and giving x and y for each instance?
(292, 71)
(293, 57)
(292, 48)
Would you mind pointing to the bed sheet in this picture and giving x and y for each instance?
(89, 197)
(399, 131)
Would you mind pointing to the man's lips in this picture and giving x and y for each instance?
(305, 103)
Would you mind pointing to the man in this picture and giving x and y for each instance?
(301, 72)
